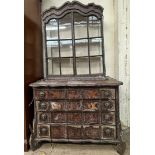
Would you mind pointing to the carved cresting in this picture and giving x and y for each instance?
(75, 6)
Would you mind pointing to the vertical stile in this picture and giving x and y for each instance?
(73, 45)
(46, 59)
(103, 53)
(59, 48)
(88, 45)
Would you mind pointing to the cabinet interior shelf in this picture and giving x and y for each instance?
(99, 38)
(84, 57)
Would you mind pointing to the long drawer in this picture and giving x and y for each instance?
(75, 105)
(91, 93)
(76, 132)
(76, 117)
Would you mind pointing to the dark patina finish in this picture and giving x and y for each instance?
(77, 112)
(77, 109)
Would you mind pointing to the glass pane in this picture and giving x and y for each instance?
(94, 27)
(53, 67)
(52, 29)
(95, 46)
(81, 47)
(96, 65)
(65, 28)
(66, 48)
(80, 26)
(52, 49)
(67, 66)
(82, 65)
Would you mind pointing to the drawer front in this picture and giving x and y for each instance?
(43, 131)
(75, 118)
(40, 94)
(107, 93)
(57, 105)
(91, 117)
(108, 118)
(58, 132)
(91, 94)
(42, 105)
(73, 94)
(74, 132)
(56, 94)
(59, 117)
(44, 117)
(74, 105)
(108, 132)
(91, 132)
(108, 105)
(91, 105)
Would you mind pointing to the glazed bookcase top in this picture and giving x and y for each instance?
(73, 39)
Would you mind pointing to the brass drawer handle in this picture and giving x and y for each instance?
(108, 105)
(107, 117)
(43, 105)
(106, 93)
(108, 132)
(42, 94)
(43, 131)
(43, 117)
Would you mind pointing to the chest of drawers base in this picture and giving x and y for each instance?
(76, 114)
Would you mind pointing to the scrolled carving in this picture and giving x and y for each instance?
(34, 144)
(120, 147)
(90, 9)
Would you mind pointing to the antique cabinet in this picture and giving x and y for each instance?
(75, 102)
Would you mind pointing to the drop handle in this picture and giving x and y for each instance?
(43, 105)
(43, 130)
(107, 117)
(43, 117)
(107, 104)
(108, 131)
(42, 94)
(106, 93)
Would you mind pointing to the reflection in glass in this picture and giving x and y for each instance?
(82, 65)
(67, 66)
(96, 65)
(52, 49)
(66, 48)
(95, 46)
(65, 27)
(52, 29)
(94, 27)
(80, 26)
(81, 47)
(53, 67)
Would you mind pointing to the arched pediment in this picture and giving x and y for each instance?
(85, 10)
